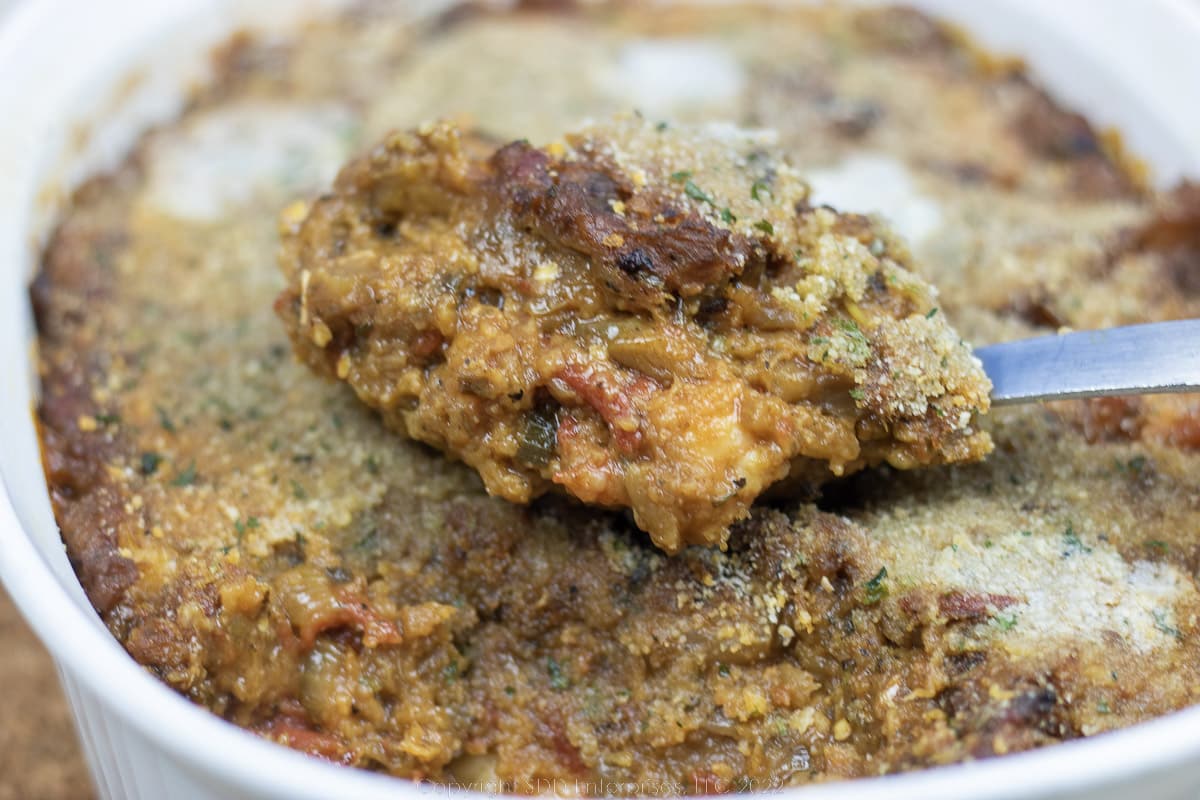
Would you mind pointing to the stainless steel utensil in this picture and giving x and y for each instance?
(1136, 359)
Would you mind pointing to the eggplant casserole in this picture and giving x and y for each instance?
(255, 537)
(588, 316)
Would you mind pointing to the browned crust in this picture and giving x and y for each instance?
(1094, 160)
(1173, 235)
(73, 283)
(570, 205)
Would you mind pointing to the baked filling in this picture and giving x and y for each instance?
(646, 316)
(260, 542)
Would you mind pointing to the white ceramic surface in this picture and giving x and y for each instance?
(1134, 64)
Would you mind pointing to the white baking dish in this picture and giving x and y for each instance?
(1134, 64)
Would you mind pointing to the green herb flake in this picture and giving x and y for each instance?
(1133, 466)
(1157, 544)
(558, 679)
(1005, 622)
(851, 329)
(450, 672)
(1027, 534)
(662, 126)
(108, 418)
(727, 216)
(1103, 707)
(681, 176)
(298, 490)
(150, 462)
(241, 527)
(1073, 542)
(696, 193)
(164, 419)
(859, 344)
(187, 477)
(759, 188)
(723, 670)
(876, 588)
(368, 542)
(1161, 624)
(931, 313)
(510, 690)
(765, 226)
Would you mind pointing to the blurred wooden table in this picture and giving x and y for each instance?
(39, 752)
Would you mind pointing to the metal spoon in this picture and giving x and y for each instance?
(1136, 359)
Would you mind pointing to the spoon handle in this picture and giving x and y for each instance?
(1135, 359)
